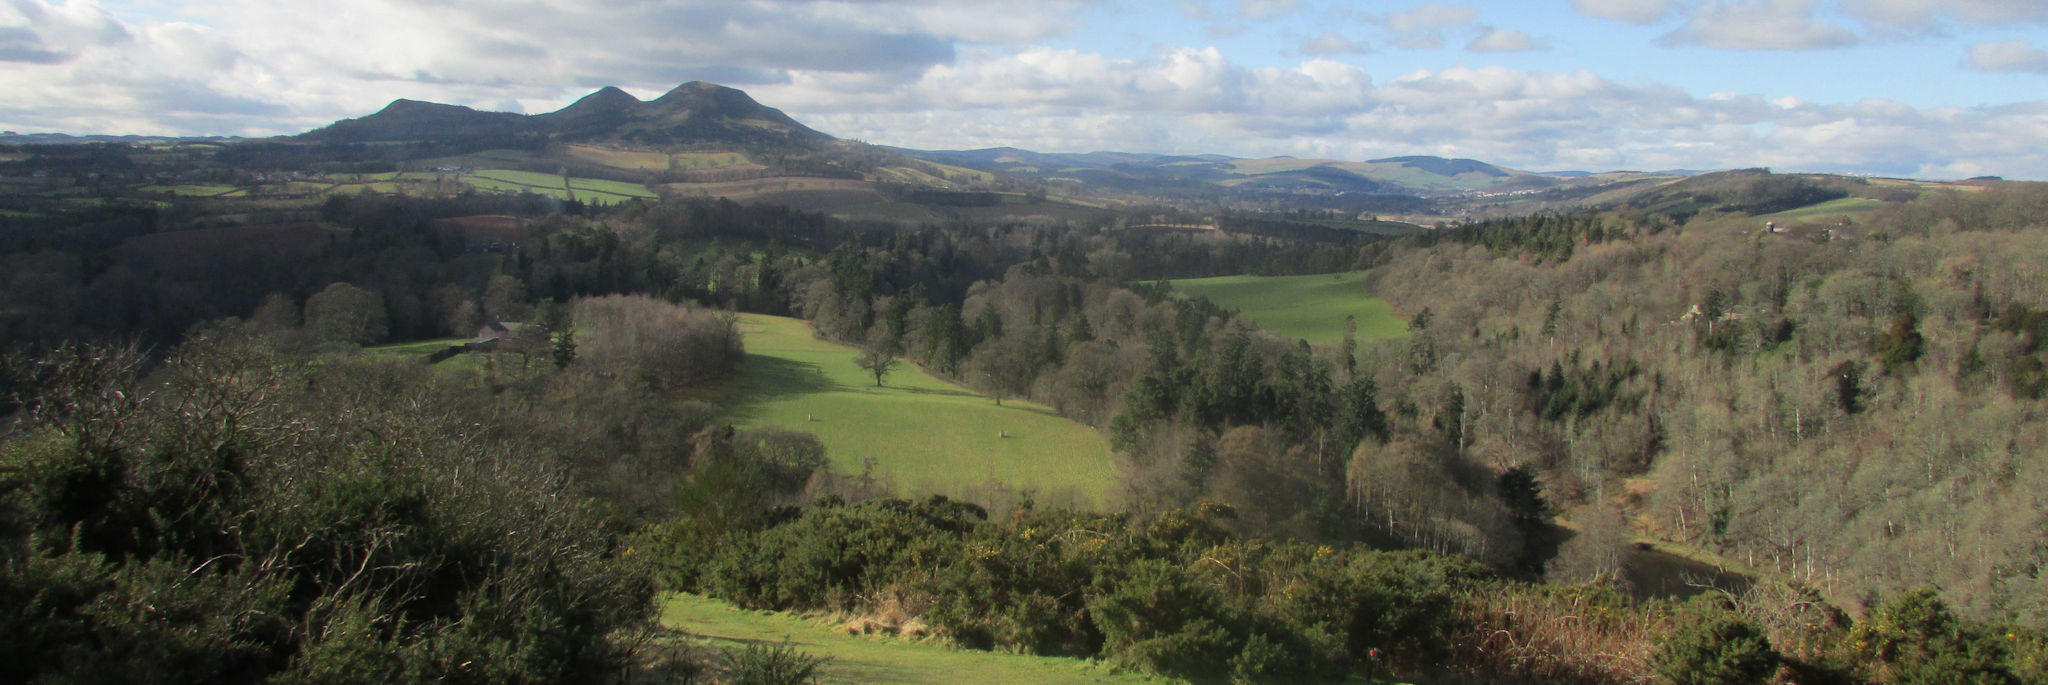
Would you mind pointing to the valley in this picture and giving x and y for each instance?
(1086, 417)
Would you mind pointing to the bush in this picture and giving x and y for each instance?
(1921, 643)
(245, 520)
(831, 553)
(763, 664)
(1715, 646)
(1161, 620)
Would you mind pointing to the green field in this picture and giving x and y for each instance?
(190, 190)
(1851, 207)
(1310, 307)
(591, 190)
(923, 434)
(859, 659)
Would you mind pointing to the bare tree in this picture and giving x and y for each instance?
(879, 360)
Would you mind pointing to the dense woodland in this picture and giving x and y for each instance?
(205, 479)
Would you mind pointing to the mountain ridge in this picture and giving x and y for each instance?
(694, 112)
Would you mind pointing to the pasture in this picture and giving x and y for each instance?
(920, 434)
(1305, 307)
(591, 190)
(863, 659)
(1849, 207)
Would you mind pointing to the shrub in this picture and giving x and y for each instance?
(1715, 646)
(1921, 643)
(1161, 620)
(764, 664)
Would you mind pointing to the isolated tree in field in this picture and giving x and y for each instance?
(345, 313)
(878, 360)
(1002, 367)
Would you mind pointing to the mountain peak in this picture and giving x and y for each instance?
(606, 100)
(700, 93)
(693, 113)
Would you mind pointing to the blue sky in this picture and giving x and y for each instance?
(1924, 88)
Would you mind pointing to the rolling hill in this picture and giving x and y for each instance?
(695, 112)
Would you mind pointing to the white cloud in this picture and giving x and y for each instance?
(1926, 14)
(940, 75)
(1197, 101)
(1264, 9)
(1759, 25)
(1502, 40)
(1422, 27)
(1631, 11)
(1329, 43)
(39, 32)
(2008, 55)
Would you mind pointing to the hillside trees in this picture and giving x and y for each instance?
(343, 313)
(662, 345)
(1851, 410)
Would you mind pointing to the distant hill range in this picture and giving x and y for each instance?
(707, 140)
(1391, 184)
(693, 113)
(704, 115)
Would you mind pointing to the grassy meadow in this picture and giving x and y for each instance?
(922, 434)
(861, 659)
(1306, 307)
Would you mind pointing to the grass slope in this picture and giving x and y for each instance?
(1851, 207)
(923, 434)
(857, 659)
(1310, 307)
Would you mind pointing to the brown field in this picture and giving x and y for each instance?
(618, 159)
(762, 187)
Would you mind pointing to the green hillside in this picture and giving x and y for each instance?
(923, 434)
(1310, 307)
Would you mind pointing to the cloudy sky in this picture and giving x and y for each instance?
(1924, 88)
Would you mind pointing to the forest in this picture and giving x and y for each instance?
(210, 474)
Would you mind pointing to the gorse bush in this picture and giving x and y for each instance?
(1715, 646)
(212, 529)
(1175, 596)
(1920, 642)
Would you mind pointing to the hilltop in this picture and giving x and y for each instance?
(695, 112)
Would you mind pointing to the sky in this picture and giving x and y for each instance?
(1936, 89)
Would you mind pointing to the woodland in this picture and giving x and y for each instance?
(209, 473)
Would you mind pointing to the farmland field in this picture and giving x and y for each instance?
(860, 659)
(1849, 207)
(190, 190)
(712, 160)
(619, 159)
(1310, 307)
(922, 434)
(595, 191)
(750, 189)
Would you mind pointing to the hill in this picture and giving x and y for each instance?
(692, 113)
